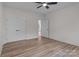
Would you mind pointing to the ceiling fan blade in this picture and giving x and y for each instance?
(51, 3)
(39, 6)
(47, 7)
(39, 2)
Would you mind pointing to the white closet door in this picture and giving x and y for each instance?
(15, 27)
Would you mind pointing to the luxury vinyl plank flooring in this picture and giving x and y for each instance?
(39, 48)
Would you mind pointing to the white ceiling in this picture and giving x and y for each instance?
(32, 6)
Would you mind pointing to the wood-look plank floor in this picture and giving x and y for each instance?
(39, 48)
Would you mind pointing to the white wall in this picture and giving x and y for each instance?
(24, 21)
(2, 27)
(64, 25)
(12, 19)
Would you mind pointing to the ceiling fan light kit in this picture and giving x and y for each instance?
(44, 4)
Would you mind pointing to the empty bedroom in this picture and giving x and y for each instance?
(39, 29)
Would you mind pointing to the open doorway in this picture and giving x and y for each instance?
(43, 28)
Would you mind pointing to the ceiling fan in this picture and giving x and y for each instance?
(45, 4)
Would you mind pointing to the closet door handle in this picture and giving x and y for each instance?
(17, 30)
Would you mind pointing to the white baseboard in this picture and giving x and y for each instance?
(27, 38)
(31, 37)
(21, 38)
(71, 42)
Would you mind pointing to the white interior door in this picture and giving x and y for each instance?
(15, 27)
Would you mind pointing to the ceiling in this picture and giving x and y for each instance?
(32, 6)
